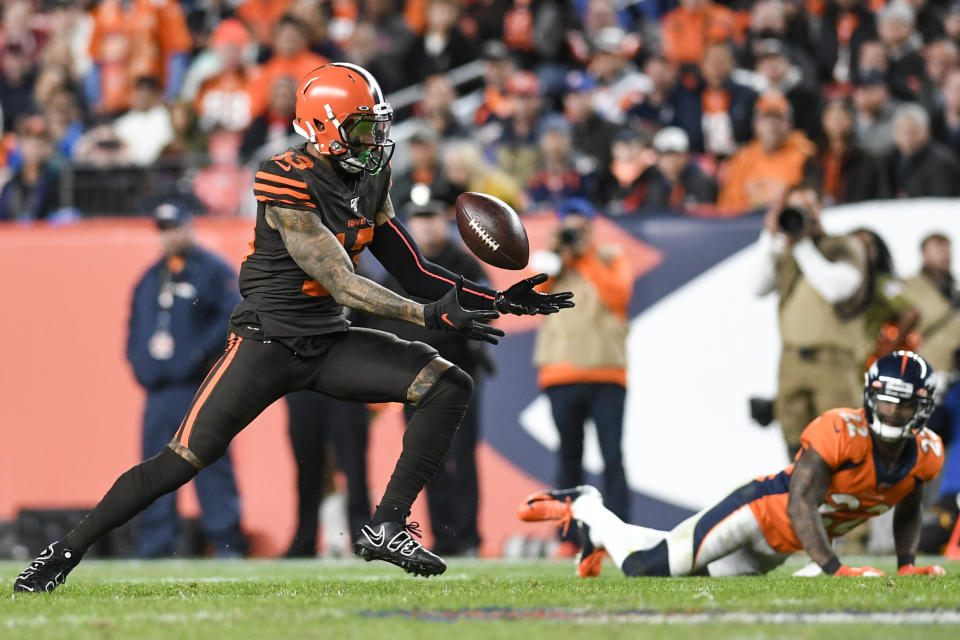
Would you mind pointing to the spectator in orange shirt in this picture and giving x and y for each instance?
(222, 101)
(690, 27)
(262, 16)
(291, 58)
(133, 40)
(762, 171)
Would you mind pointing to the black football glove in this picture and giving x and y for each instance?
(521, 299)
(446, 313)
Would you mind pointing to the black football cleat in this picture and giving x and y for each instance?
(48, 570)
(393, 542)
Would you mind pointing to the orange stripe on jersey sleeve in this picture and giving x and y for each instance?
(285, 201)
(260, 186)
(263, 175)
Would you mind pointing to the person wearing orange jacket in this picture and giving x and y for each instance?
(762, 171)
(690, 27)
(582, 356)
(135, 39)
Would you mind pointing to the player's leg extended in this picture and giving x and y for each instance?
(599, 528)
(373, 366)
(701, 539)
(246, 379)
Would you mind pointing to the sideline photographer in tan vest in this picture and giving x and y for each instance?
(821, 281)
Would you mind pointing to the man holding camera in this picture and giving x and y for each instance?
(822, 284)
(582, 357)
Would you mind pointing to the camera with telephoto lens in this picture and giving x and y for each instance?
(570, 236)
(793, 220)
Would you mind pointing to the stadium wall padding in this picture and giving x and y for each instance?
(700, 345)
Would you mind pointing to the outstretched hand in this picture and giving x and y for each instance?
(447, 314)
(522, 299)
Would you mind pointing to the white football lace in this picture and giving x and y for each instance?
(480, 231)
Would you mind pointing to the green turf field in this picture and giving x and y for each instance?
(267, 599)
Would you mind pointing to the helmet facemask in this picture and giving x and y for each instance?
(895, 409)
(367, 142)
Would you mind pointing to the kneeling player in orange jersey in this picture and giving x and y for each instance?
(854, 464)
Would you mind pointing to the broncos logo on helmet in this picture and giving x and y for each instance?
(341, 110)
(898, 395)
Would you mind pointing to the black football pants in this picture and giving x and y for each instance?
(360, 364)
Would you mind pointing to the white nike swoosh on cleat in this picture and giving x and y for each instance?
(376, 539)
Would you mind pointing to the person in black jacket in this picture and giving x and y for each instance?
(843, 170)
(717, 113)
(918, 166)
(838, 46)
(443, 46)
(178, 328)
(674, 183)
(452, 493)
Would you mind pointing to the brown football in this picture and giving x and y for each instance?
(492, 230)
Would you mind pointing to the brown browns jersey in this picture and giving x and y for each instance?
(277, 294)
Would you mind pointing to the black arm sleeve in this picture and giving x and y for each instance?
(399, 254)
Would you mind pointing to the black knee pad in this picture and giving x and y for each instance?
(163, 473)
(454, 386)
(208, 447)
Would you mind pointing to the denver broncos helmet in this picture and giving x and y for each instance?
(341, 110)
(898, 395)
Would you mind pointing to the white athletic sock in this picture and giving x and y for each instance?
(610, 532)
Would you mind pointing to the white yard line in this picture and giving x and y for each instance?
(167, 618)
(891, 618)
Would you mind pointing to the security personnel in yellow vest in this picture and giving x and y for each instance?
(823, 286)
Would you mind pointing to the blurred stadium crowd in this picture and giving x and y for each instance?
(698, 106)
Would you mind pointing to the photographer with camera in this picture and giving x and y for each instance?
(823, 288)
(582, 355)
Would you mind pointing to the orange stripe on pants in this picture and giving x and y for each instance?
(207, 389)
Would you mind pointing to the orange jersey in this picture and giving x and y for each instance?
(223, 101)
(261, 16)
(262, 78)
(686, 33)
(133, 41)
(860, 487)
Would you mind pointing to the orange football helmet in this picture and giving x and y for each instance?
(341, 110)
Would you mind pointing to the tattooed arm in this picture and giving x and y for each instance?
(808, 486)
(318, 252)
(398, 253)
